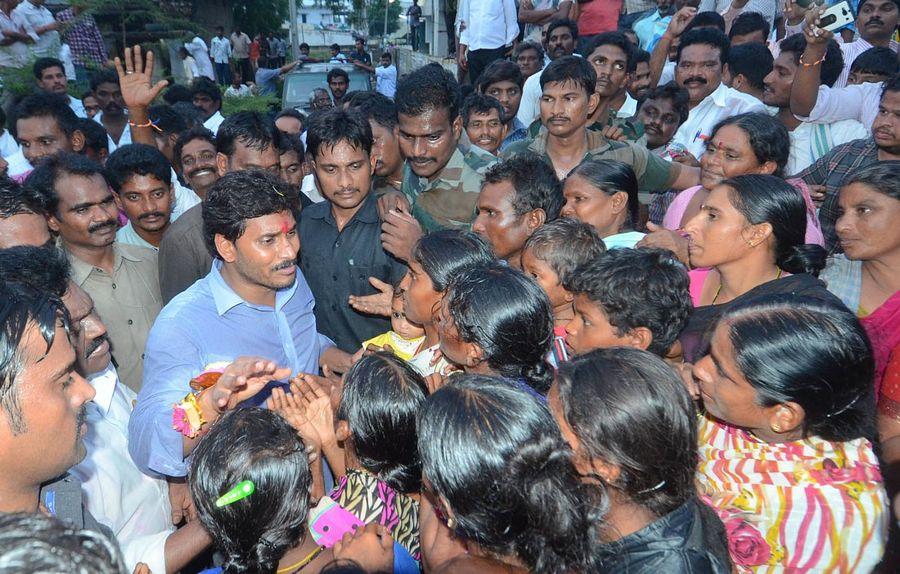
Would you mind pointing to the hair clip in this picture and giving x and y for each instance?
(661, 484)
(275, 189)
(241, 490)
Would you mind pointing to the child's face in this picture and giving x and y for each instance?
(547, 278)
(400, 324)
(589, 329)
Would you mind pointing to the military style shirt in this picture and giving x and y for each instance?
(449, 200)
(653, 173)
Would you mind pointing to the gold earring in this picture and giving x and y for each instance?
(776, 428)
(451, 523)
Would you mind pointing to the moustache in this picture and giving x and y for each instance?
(284, 265)
(154, 214)
(199, 169)
(79, 421)
(101, 226)
(422, 159)
(875, 21)
(94, 345)
(699, 80)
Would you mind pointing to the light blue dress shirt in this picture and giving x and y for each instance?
(210, 323)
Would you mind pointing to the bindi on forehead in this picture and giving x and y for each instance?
(286, 226)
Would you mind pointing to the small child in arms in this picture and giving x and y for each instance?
(404, 337)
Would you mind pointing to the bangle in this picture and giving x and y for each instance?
(816, 63)
(187, 417)
(134, 125)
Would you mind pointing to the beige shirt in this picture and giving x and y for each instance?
(127, 301)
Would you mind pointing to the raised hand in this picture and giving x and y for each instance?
(399, 233)
(680, 21)
(136, 78)
(377, 303)
(290, 408)
(317, 406)
(658, 236)
(243, 379)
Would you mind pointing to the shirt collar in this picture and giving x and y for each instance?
(226, 299)
(720, 95)
(81, 270)
(104, 384)
(368, 211)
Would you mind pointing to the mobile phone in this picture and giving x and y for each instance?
(837, 17)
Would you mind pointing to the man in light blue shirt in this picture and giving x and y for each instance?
(253, 302)
(649, 28)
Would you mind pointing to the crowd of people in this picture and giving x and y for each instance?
(619, 302)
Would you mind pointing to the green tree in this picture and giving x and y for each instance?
(376, 17)
(254, 16)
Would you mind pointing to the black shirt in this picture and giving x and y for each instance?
(363, 57)
(338, 264)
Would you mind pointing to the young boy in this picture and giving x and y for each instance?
(629, 297)
(551, 255)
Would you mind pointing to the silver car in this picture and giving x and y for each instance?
(300, 83)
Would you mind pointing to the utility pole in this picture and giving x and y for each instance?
(295, 36)
(387, 8)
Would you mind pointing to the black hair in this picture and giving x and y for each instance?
(251, 129)
(494, 453)
(167, 119)
(205, 87)
(707, 37)
(177, 93)
(43, 268)
(465, 91)
(291, 113)
(572, 25)
(42, 64)
(22, 306)
(612, 177)
(500, 71)
(862, 2)
(136, 159)
(291, 143)
(427, 89)
(892, 84)
(749, 22)
(564, 244)
(529, 45)
(237, 197)
(707, 19)
(42, 181)
(337, 73)
(833, 64)
(877, 60)
(380, 399)
(186, 137)
(96, 137)
(15, 200)
(255, 532)
(636, 288)
(811, 352)
(335, 47)
(189, 113)
(388, 56)
(671, 91)
(509, 316)
(754, 61)
(444, 254)
(331, 127)
(629, 408)
(304, 45)
(534, 182)
(103, 76)
(639, 56)
(377, 108)
(768, 137)
(882, 176)
(477, 103)
(618, 39)
(34, 542)
(45, 105)
(571, 69)
(770, 199)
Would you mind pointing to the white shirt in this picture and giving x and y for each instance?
(18, 164)
(487, 25)
(858, 102)
(65, 56)
(191, 70)
(851, 51)
(33, 17)
(308, 186)
(213, 122)
(386, 80)
(8, 145)
(132, 504)
(810, 141)
(767, 8)
(197, 48)
(242, 92)
(16, 54)
(629, 108)
(124, 139)
(77, 106)
(185, 198)
(129, 236)
(220, 49)
(668, 74)
(626, 240)
(724, 102)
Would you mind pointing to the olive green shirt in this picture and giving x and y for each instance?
(653, 173)
(127, 301)
(449, 200)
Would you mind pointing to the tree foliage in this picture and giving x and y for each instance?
(376, 17)
(254, 16)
